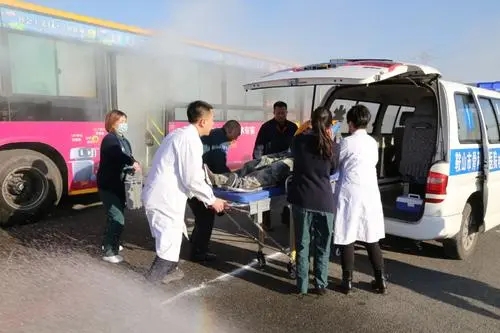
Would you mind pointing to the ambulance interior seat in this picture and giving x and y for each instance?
(398, 138)
(419, 142)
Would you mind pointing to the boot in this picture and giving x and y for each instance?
(379, 285)
(346, 284)
(159, 269)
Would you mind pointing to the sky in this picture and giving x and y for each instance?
(458, 37)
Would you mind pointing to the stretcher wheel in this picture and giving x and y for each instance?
(292, 271)
(261, 259)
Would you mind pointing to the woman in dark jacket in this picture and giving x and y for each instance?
(311, 196)
(116, 157)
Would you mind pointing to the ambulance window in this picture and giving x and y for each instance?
(468, 119)
(490, 119)
(389, 118)
(346, 104)
(404, 109)
(373, 107)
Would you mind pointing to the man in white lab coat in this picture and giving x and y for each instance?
(359, 214)
(177, 174)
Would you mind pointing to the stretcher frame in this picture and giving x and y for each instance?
(255, 211)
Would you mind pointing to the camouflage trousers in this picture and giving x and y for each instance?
(267, 171)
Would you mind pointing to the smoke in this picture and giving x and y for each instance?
(159, 80)
(72, 292)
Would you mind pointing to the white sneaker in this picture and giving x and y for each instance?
(120, 248)
(113, 259)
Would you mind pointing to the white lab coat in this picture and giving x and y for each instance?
(176, 174)
(359, 214)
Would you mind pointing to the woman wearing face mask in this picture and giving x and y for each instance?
(116, 157)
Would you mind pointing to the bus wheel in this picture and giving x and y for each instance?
(462, 246)
(30, 185)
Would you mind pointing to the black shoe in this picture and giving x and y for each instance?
(203, 257)
(379, 285)
(159, 269)
(174, 275)
(345, 286)
(321, 291)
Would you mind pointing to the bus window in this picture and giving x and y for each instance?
(41, 108)
(235, 78)
(180, 114)
(41, 66)
(210, 77)
(286, 95)
(184, 79)
(253, 97)
(246, 115)
(320, 93)
(77, 70)
(33, 65)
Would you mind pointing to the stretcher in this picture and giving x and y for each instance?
(254, 204)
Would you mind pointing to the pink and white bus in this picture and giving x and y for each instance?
(61, 72)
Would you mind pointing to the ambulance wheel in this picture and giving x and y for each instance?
(292, 271)
(30, 186)
(261, 259)
(463, 245)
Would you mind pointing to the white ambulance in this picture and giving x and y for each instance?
(436, 183)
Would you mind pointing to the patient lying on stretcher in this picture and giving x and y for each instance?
(267, 171)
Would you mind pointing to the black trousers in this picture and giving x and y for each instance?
(374, 254)
(203, 225)
(115, 220)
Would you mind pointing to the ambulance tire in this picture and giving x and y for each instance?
(464, 244)
(30, 186)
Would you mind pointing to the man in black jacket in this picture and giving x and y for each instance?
(215, 147)
(275, 136)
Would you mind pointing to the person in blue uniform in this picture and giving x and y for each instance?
(215, 148)
(274, 136)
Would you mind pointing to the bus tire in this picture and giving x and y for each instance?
(30, 186)
(463, 245)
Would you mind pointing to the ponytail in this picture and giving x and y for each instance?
(321, 122)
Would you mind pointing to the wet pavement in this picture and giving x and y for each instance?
(52, 280)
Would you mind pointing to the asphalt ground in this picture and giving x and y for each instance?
(53, 280)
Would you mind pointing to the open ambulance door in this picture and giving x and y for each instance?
(335, 73)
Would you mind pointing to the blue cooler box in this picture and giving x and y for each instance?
(411, 203)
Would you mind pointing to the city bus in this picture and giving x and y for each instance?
(61, 72)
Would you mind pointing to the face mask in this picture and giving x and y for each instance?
(122, 128)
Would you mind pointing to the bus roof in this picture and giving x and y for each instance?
(119, 26)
